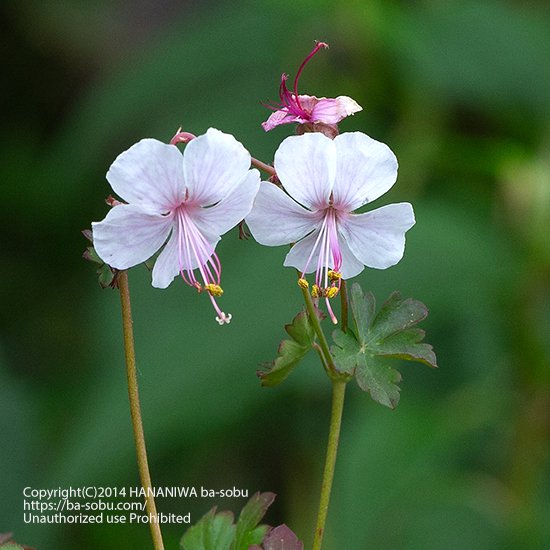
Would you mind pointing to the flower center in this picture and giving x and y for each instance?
(329, 261)
(195, 252)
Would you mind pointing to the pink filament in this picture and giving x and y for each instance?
(194, 248)
(330, 255)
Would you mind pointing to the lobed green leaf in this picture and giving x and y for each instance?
(389, 334)
(212, 532)
(247, 531)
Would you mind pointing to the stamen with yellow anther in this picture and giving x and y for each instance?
(334, 275)
(315, 291)
(195, 250)
(302, 283)
(213, 289)
(331, 292)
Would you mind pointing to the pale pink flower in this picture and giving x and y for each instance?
(324, 181)
(305, 108)
(183, 201)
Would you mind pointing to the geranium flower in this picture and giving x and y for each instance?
(305, 108)
(186, 201)
(325, 181)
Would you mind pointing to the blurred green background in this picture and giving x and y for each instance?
(461, 92)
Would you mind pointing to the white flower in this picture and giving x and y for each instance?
(186, 201)
(325, 181)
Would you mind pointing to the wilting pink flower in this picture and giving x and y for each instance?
(186, 201)
(305, 108)
(325, 181)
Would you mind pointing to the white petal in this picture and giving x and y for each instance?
(167, 265)
(300, 253)
(366, 169)
(232, 209)
(150, 173)
(351, 266)
(213, 165)
(129, 235)
(306, 166)
(377, 238)
(276, 219)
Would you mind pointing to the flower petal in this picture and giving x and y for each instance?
(213, 165)
(351, 266)
(167, 265)
(366, 169)
(332, 111)
(129, 235)
(377, 238)
(306, 166)
(150, 174)
(282, 116)
(276, 219)
(300, 253)
(231, 209)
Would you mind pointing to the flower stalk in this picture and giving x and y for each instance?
(338, 393)
(135, 410)
(323, 344)
(262, 166)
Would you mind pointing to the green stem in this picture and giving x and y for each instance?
(338, 393)
(319, 351)
(323, 344)
(135, 410)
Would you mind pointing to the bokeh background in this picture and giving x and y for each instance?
(460, 90)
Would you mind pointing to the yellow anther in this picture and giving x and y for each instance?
(332, 291)
(334, 275)
(315, 291)
(302, 283)
(215, 290)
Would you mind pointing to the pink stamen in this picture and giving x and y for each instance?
(333, 317)
(314, 248)
(330, 255)
(192, 245)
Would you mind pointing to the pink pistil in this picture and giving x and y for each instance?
(291, 100)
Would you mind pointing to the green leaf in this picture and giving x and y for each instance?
(212, 532)
(389, 334)
(218, 532)
(290, 352)
(247, 531)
